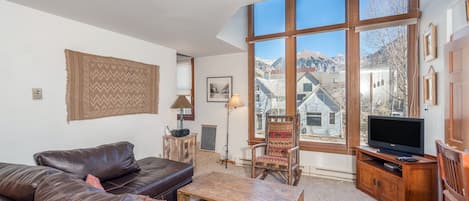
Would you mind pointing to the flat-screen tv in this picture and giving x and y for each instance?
(396, 135)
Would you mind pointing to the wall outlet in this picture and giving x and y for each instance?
(37, 93)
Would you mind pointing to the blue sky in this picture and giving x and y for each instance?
(269, 17)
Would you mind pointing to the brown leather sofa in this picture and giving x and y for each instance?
(60, 176)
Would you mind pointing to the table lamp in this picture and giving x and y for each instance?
(181, 103)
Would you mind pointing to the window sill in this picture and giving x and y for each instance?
(317, 147)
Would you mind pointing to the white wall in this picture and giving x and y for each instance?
(215, 113)
(449, 16)
(32, 47)
(235, 30)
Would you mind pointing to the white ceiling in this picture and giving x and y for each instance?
(189, 26)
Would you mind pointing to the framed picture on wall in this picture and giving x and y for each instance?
(219, 89)
(429, 43)
(429, 87)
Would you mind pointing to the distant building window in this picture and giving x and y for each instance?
(258, 88)
(308, 87)
(258, 97)
(332, 118)
(300, 97)
(313, 119)
(259, 121)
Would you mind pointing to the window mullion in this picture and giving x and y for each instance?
(290, 58)
(353, 77)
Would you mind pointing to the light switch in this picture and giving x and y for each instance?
(37, 93)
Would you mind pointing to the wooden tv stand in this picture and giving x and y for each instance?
(417, 180)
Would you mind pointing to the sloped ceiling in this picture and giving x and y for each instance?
(189, 26)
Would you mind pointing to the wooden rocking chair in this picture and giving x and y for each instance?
(281, 153)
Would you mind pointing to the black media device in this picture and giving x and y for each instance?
(180, 132)
(396, 135)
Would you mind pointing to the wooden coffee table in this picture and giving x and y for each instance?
(218, 186)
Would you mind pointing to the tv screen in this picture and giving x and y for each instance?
(401, 135)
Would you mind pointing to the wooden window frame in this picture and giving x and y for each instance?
(190, 117)
(352, 21)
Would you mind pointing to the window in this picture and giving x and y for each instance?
(323, 66)
(300, 97)
(185, 82)
(319, 58)
(307, 87)
(259, 121)
(270, 77)
(269, 17)
(258, 97)
(319, 13)
(382, 8)
(313, 119)
(383, 74)
(332, 118)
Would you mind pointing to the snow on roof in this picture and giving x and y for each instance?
(272, 87)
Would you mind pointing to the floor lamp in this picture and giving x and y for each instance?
(233, 103)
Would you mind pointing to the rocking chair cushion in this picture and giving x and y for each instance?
(280, 139)
(272, 160)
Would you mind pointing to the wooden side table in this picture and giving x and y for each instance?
(182, 149)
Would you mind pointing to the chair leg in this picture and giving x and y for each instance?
(289, 177)
(253, 171)
(264, 174)
(297, 176)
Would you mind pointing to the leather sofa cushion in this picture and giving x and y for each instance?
(19, 182)
(105, 162)
(156, 176)
(65, 187)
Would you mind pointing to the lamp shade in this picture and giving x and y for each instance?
(181, 102)
(235, 101)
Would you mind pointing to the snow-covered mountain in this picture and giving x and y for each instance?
(306, 59)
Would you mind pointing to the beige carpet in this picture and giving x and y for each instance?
(316, 189)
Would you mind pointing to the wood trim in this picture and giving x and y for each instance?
(353, 78)
(251, 76)
(413, 72)
(315, 146)
(293, 33)
(191, 117)
(412, 15)
(290, 59)
(252, 39)
(327, 28)
(324, 147)
(290, 14)
(413, 69)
